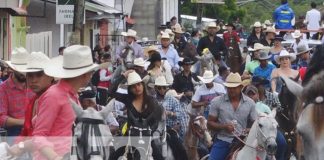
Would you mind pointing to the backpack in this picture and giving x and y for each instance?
(95, 78)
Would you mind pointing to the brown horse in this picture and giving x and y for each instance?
(197, 130)
(310, 124)
(234, 59)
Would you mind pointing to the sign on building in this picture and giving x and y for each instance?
(64, 11)
(208, 1)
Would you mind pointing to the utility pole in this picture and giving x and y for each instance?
(78, 18)
(199, 15)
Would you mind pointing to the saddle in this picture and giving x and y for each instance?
(235, 147)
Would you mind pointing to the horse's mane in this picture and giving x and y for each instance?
(312, 91)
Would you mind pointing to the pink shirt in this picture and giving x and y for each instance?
(54, 119)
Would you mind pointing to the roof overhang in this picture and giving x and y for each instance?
(13, 7)
(99, 8)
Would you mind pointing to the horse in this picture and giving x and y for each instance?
(234, 59)
(92, 137)
(286, 118)
(197, 131)
(261, 141)
(310, 123)
(205, 62)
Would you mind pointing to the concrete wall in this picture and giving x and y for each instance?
(147, 17)
(44, 24)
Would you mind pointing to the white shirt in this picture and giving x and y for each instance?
(313, 18)
(301, 42)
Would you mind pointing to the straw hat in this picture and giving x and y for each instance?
(161, 81)
(37, 61)
(165, 35)
(270, 30)
(302, 49)
(233, 80)
(149, 49)
(178, 30)
(133, 78)
(173, 93)
(139, 62)
(77, 60)
(213, 25)
(259, 46)
(207, 77)
(267, 22)
(284, 53)
(296, 34)
(19, 59)
(169, 31)
(257, 24)
(130, 33)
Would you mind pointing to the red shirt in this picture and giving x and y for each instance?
(53, 121)
(104, 78)
(13, 100)
(227, 37)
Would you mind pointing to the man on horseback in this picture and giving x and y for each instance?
(168, 52)
(130, 44)
(225, 109)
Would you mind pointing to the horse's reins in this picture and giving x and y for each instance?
(196, 132)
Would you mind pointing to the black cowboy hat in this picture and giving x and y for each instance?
(87, 94)
(163, 26)
(278, 38)
(155, 57)
(187, 61)
(230, 24)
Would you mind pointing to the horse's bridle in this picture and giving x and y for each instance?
(197, 131)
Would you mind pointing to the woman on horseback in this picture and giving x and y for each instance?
(143, 111)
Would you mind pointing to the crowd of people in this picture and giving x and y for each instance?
(153, 84)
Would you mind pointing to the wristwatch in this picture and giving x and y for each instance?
(21, 145)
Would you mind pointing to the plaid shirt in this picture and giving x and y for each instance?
(172, 104)
(13, 101)
(271, 100)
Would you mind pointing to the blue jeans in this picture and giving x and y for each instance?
(281, 146)
(220, 150)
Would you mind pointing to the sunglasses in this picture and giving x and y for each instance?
(161, 87)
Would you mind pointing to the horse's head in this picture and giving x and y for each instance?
(290, 91)
(198, 125)
(266, 132)
(128, 55)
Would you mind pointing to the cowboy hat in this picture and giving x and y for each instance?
(133, 78)
(77, 60)
(155, 57)
(270, 30)
(302, 49)
(186, 61)
(139, 62)
(207, 77)
(178, 30)
(165, 35)
(19, 59)
(267, 22)
(230, 24)
(259, 46)
(161, 81)
(296, 34)
(257, 24)
(284, 53)
(213, 25)
(173, 93)
(149, 49)
(278, 38)
(264, 55)
(233, 80)
(131, 33)
(37, 61)
(322, 26)
(168, 31)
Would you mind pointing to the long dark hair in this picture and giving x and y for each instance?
(147, 100)
(316, 64)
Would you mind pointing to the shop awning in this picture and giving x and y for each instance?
(12, 7)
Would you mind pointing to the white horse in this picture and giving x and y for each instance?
(310, 124)
(205, 62)
(92, 136)
(261, 140)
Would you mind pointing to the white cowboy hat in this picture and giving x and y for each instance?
(207, 77)
(302, 49)
(267, 22)
(284, 53)
(296, 34)
(233, 80)
(19, 59)
(149, 49)
(165, 35)
(257, 24)
(37, 61)
(161, 81)
(169, 31)
(264, 55)
(178, 30)
(131, 33)
(139, 62)
(270, 30)
(173, 93)
(259, 46)
(145, 39)
(77, 60)
(133, 78)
